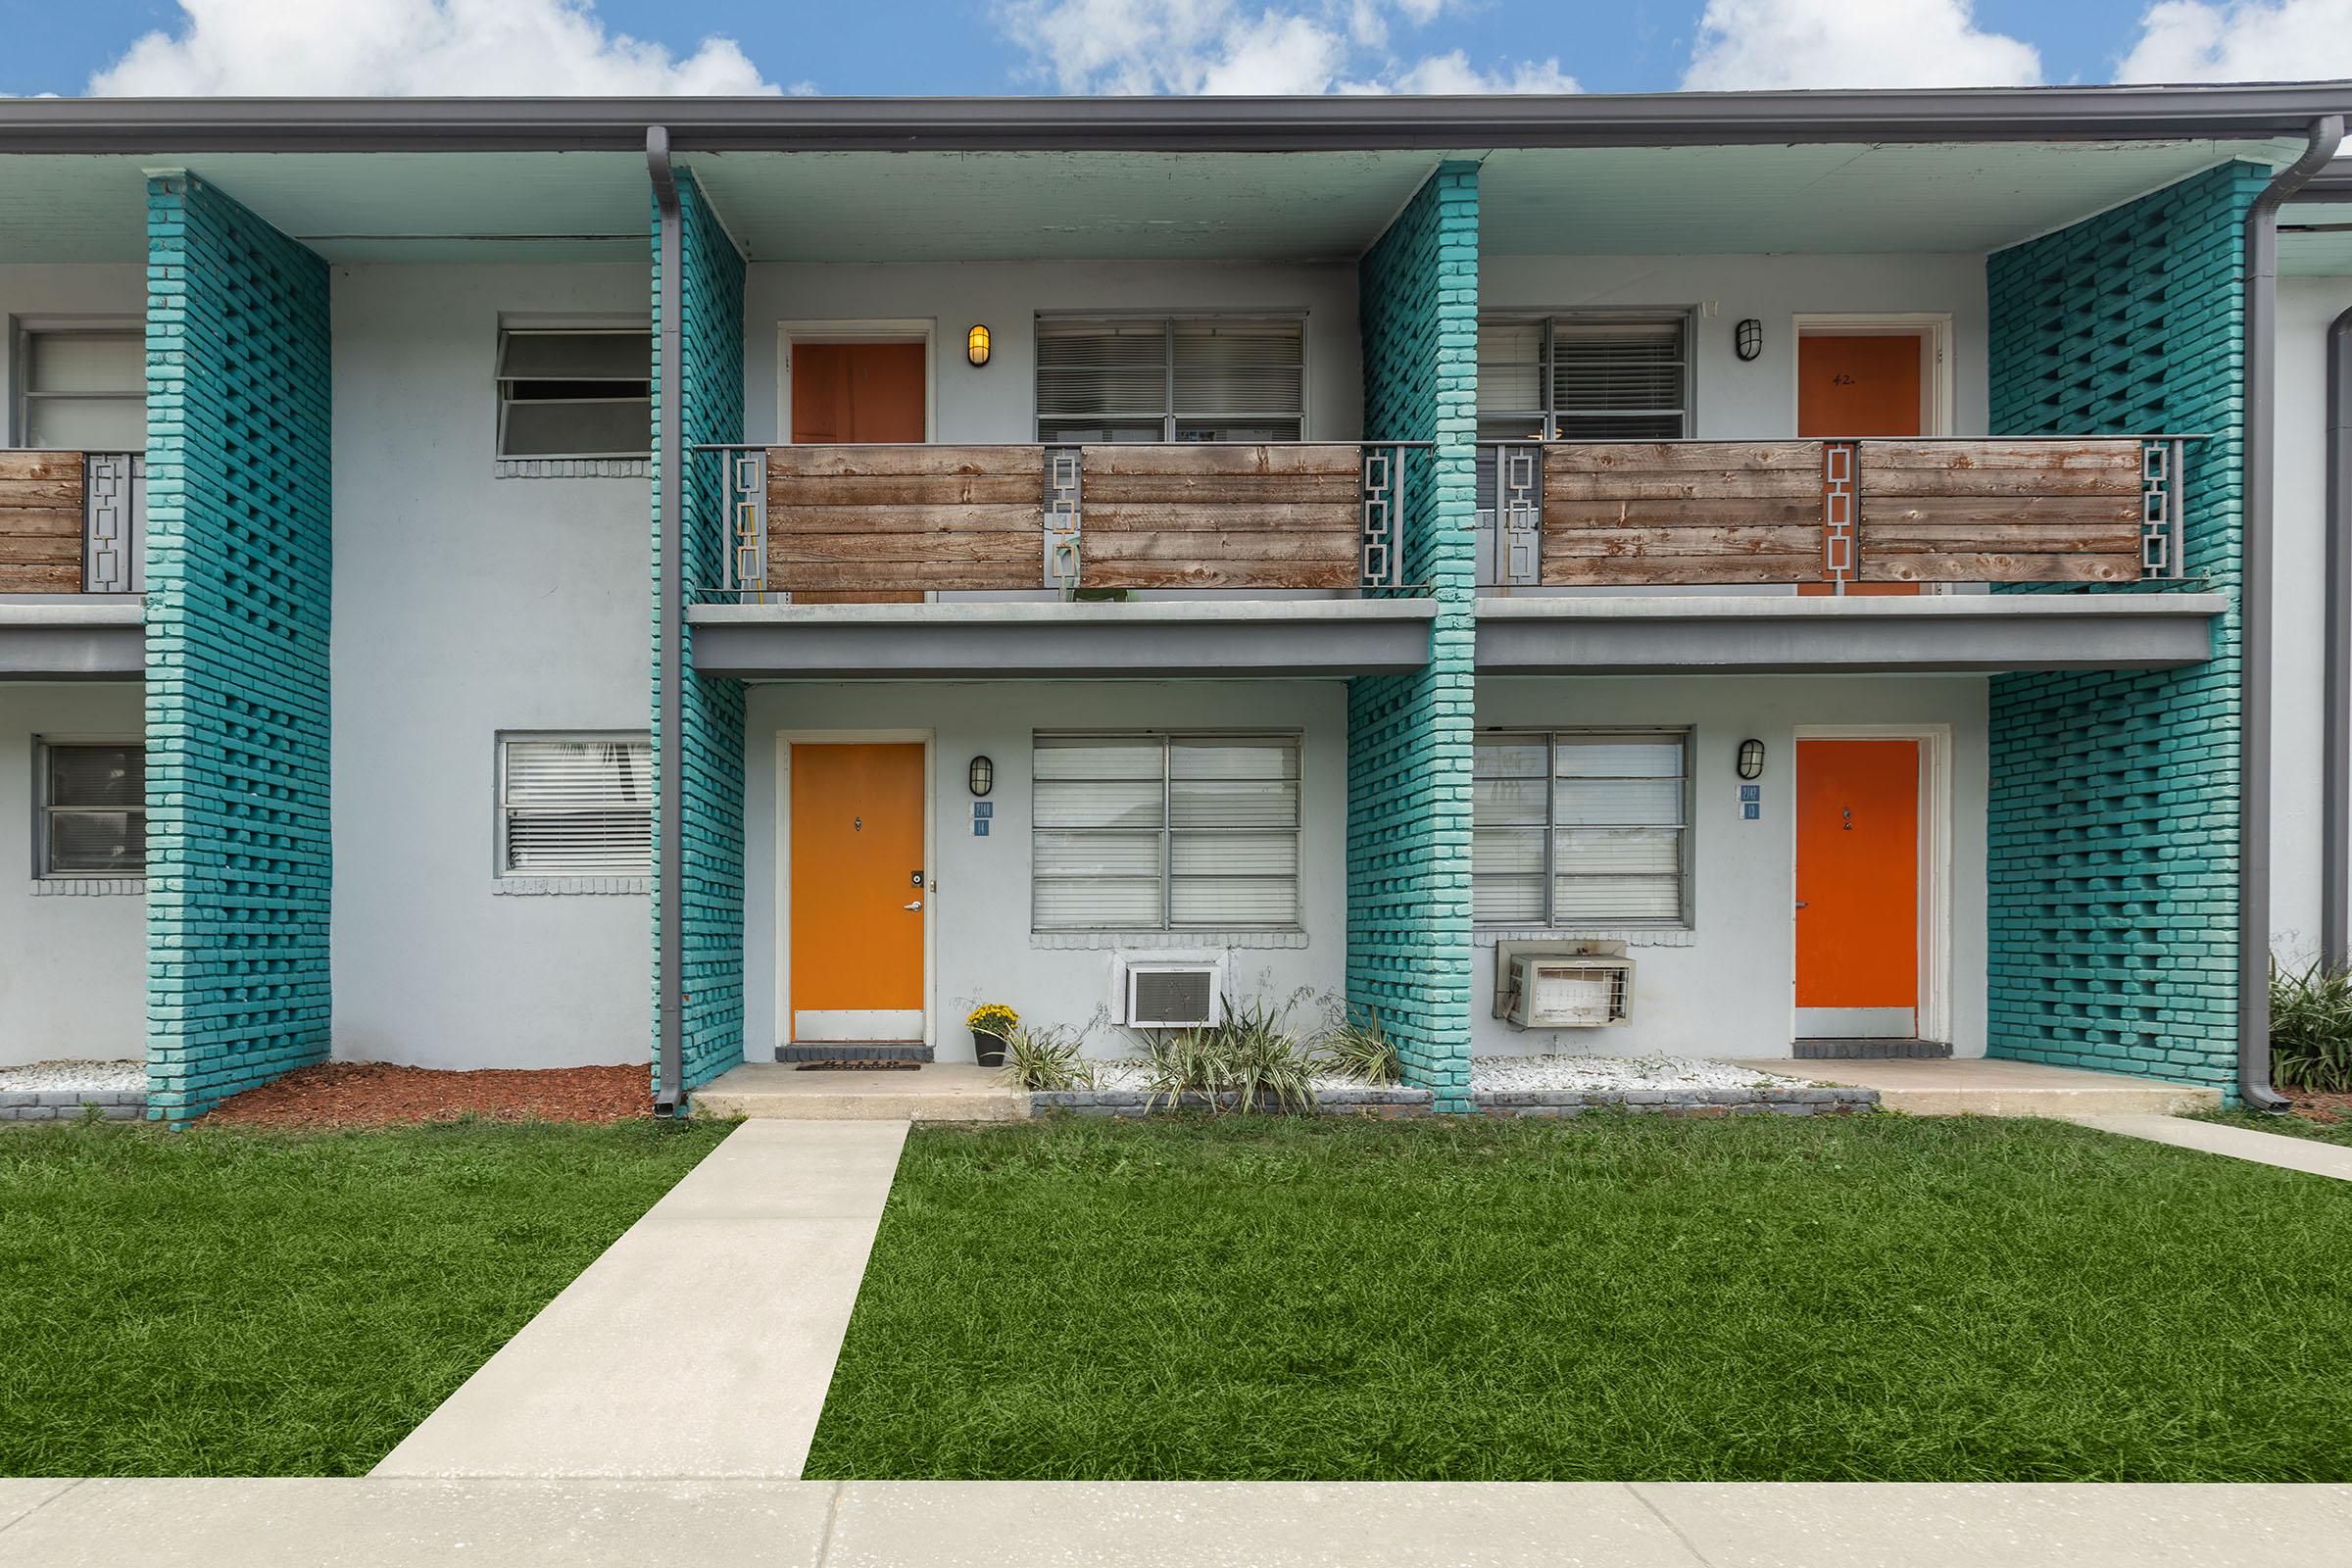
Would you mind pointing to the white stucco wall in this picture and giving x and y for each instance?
(1725, 986)
(998, 401)
(2306, 307)
(467, 605)
(76, 981)
(979, 896)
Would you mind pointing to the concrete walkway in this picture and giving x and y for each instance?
(700, 1343)
(2281, 1149)
(1987, 1086)
(1004, 1524)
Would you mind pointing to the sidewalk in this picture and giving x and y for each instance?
(1009, 1524)
(701, 1343)
(2282, 1149)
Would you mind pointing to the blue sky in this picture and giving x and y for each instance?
(973, 46)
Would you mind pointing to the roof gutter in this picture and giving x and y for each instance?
(2254, 617)
(2336, 790)
(181, 125)
(669, 1094)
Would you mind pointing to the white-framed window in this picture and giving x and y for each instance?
(1586, 376)
(92, 818)
(1573, 828)
(575, 392)
(1165, 832)
(1170, 378)
(83, 388)
(575, 805)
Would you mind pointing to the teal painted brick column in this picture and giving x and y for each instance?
(1408, 736)
(239, 561)
(710, 382)
(2113, 829)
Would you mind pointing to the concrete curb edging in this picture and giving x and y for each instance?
(1396, 1102)
(68, 1105)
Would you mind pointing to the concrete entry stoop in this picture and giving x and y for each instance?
(936, 1091)
(1985, 1086)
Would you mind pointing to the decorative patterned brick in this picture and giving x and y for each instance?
(2112, 851)
(1408, 736)
(239, 560)
(709, 386)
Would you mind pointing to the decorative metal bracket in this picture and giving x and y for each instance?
(1379, 508)
(746, 569)
(114, 523)
(1064, 516)
(2161, 518)
(1519, 509)
(1837, 493)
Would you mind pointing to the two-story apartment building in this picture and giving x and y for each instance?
(1752, 574)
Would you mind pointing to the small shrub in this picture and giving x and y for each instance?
(1360, 1048)
(2310, 1028)
(1046, 1059)
(1252, 1056)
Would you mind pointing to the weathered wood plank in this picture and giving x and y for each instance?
(887, 596)
(2088, 453)
(869, 576)
(25, 578)
(64, 493)
(793, 549)
(1970, 511)
(1670, 456)
(1578, 571)
(1178, 518)
(1214, 548)
(1707, 513)
(41, 466)
(1992, 567)
(1220, 460)
(904, 461)
(1907, 483)
(950, 517)
(41, 550)
(1683, 543)
(1902, 538)
(1097, 574)
(898, 489)
(1720, 484)
(1225, 490)
(45, 521)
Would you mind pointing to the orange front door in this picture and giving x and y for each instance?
(857, 392)
(1857, 888)
(859, 891)
(1851, 385)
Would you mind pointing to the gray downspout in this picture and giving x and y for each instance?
(2254, 620)
(2335, 791)
(669, 1098)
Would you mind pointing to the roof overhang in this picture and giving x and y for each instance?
(177, 126)
(1193, 640)
(1960, 633)
(98, 639)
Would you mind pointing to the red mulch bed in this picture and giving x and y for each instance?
(2312, 1105)
(376, 1094)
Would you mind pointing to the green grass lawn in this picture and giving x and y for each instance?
(1869, 1300)
(228, 1303)
(2326, 1132)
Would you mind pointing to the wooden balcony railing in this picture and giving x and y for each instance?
(823, 522)
(72, 522)
(2089, 510)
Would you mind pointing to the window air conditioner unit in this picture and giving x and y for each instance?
(1577, 992)
(1172, 996)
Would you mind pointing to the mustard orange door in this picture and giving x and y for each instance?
(1857, 888)
(859, 893)
(1851, 385)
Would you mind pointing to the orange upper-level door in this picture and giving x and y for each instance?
(857, 392)
(1857, 873)
(857, 848)
(1852, 384)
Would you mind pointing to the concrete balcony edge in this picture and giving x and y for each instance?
(92, 639)
(1209, 639)
(1784, 634)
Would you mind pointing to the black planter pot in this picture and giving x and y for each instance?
(990, 1049)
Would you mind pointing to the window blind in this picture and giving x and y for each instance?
(1580, 828)
(1170, 378)
(1595, 378)
(574, 393)
(575, 806)
(1152, 832)
(84, 391)
(93, 811)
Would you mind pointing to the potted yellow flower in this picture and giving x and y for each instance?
(990, 1023)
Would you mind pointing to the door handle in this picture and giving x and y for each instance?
(916, 905)
(1800, 903)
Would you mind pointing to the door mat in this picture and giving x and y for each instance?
(855, 1064)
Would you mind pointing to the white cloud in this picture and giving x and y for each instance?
(413, 47)
(1853, 43)
(1233, 46)
(2242, 40)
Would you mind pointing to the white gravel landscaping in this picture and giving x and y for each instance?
(103, 1077)
(1609, 1074)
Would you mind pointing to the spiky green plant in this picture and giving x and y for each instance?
(1251, 1055)
(1043, 1059)
(2310, 1028)
(1361, 1050)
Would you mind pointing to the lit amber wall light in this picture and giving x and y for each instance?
(975, 345)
